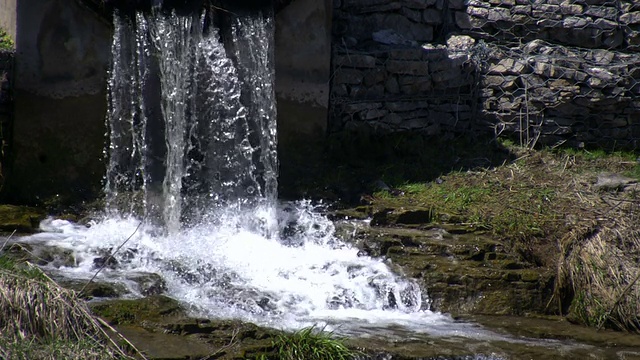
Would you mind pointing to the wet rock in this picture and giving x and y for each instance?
(410, 216)
(462, 273)
(151, 308)
(94, 289)
(148, 283)
(22, 219)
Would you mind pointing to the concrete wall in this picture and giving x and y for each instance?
(62, 55)
(8, 17)
(6, 110)
(303, 58)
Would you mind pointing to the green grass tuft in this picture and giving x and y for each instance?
(309, 344)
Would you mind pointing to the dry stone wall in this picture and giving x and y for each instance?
(542, 71)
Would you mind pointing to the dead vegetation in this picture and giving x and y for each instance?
(40, 320)
(573, 210)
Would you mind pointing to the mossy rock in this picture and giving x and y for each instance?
(151, 308)
(21, 219)
(94, 289)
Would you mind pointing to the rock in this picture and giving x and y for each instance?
(460, 43)
(355, 60)
(20, 218)
(94, 289)
(390, 37)
(408, 67)
(148, 283)
(613, 182)
(135, 311)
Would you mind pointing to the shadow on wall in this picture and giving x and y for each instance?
(542, 74)
(62, 54)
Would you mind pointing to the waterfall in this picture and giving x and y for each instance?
(189, 130)
(191, 183)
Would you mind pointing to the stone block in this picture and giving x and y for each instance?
(409, 79)
(339, 90)
(415, 124)
(452, 108)
(373, 114)
(432, 16)
(412, 14)
(463, 20)
(460, 43)
(392, 86)
(362, 3)
(499, 14)
(375, 76)
(456, 4)
(353, 108)
(408, 67)
(605, 24)
(502, 82)
(447, 77)
(401, 106)
(521, 9)
(416, 114)
(507, 66)
(392, 119)
(605, 12)
(393, 6)
(630, 18)
(569, 8)
(414, 53)
(418, 4)
(414, 84)
(348, 76)
(355, 60)
(452, 62)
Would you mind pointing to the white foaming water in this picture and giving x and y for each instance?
(232, 268)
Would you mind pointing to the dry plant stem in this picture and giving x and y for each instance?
(230, 344)
(618, 300)
(111, 257)
(105, 324)
(7, 240)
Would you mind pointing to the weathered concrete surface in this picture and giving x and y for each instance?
(303, 56)
(8, 16)
(62, 57)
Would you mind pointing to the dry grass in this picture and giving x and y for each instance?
(545, 206)
(600, 267)
(41, 320)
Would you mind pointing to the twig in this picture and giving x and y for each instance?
(232, 342)
(105, 324)
(615, 304)
(6, 241)
(104, 264)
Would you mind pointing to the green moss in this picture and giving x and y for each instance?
(20, 218)
(136, 311)
(6, 43)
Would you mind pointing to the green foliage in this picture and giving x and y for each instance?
(309, 344)
(6, 43)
